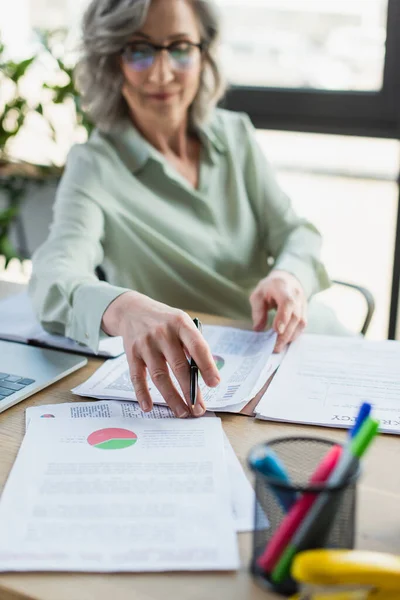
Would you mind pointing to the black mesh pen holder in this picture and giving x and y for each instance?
(276, 500)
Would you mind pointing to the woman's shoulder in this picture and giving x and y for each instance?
(223, 120)
(87, 164)
(95, 146)
(92, 161)
(232, 129)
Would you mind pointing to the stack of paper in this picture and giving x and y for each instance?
(118, 494)
(19, 324)
(241, 493)
(323, 380)
(244, 359)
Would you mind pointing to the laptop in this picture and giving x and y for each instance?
(24, 370)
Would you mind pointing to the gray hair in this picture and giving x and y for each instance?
(107, 27)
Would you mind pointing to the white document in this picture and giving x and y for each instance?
(108, 495)
(90, 410)
(272, 365)
(242, 493)
(18, 323)
(239, 355)
(323, 380)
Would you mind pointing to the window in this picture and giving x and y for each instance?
(19, 18)
(322, 44)
(347, 187)
(355, 91)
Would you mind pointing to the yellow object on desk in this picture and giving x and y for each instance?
(347, 575)
(311, 594)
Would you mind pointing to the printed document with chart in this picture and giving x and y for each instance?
(240, 357)
(107, 495)
(323, 380)
(241, 492)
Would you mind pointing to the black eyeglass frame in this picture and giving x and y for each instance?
(159, 48)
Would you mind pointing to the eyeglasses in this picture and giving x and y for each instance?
(141, 55)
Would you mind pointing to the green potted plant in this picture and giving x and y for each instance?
(57, 88)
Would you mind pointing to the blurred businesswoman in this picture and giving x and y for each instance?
(174, 198)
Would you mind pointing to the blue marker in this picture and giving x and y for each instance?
(363, 413)
(265, 461)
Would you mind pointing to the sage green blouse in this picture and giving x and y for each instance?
(120, 204)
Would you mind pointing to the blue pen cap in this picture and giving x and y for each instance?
(263, 459)
(363, 413)
(266, 461)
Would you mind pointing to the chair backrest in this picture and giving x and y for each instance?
(353, 304)
(368, 299)
(31, 227)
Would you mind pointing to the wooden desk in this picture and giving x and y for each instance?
(378, 513)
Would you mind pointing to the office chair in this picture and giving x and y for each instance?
(369, 300)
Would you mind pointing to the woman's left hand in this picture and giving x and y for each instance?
(282, 291)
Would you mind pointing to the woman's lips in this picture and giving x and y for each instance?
(161, 97)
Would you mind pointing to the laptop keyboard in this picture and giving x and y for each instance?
(9, 384)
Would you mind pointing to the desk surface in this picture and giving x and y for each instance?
(378, 523)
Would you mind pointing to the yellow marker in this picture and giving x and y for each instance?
(314, 594)
(347, 575)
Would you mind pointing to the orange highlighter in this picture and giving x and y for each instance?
(346, 575)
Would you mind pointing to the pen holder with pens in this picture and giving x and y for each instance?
(287, 497)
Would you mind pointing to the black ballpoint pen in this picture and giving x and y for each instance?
(194, 372)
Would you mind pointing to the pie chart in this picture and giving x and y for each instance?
(112, 438)
(219, 361)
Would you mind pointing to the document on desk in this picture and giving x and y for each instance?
(241, 492)
(324, 379)
(18, 323)
(239, 355)
(108, 495)
(272, 365)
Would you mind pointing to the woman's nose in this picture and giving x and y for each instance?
(161, 71)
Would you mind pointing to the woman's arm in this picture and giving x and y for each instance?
(67, 296)
(292, 242)
(70, 300)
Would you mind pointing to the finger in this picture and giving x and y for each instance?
(289, 331)
(138, 375)
(259, 311)
(175, 357)
(199, 350)
(200, 407)
(301, 326)
(299, 330)
(285, 309)
(161, 378)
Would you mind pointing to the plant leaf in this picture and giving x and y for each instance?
(21, 67)
(7, 249)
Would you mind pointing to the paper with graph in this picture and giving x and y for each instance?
(107, 495)
(242, 493)
(239, 355)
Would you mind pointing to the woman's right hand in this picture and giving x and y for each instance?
(155, 336)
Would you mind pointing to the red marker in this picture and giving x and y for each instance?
(292, 520)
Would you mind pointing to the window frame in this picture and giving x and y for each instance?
(357, 113)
